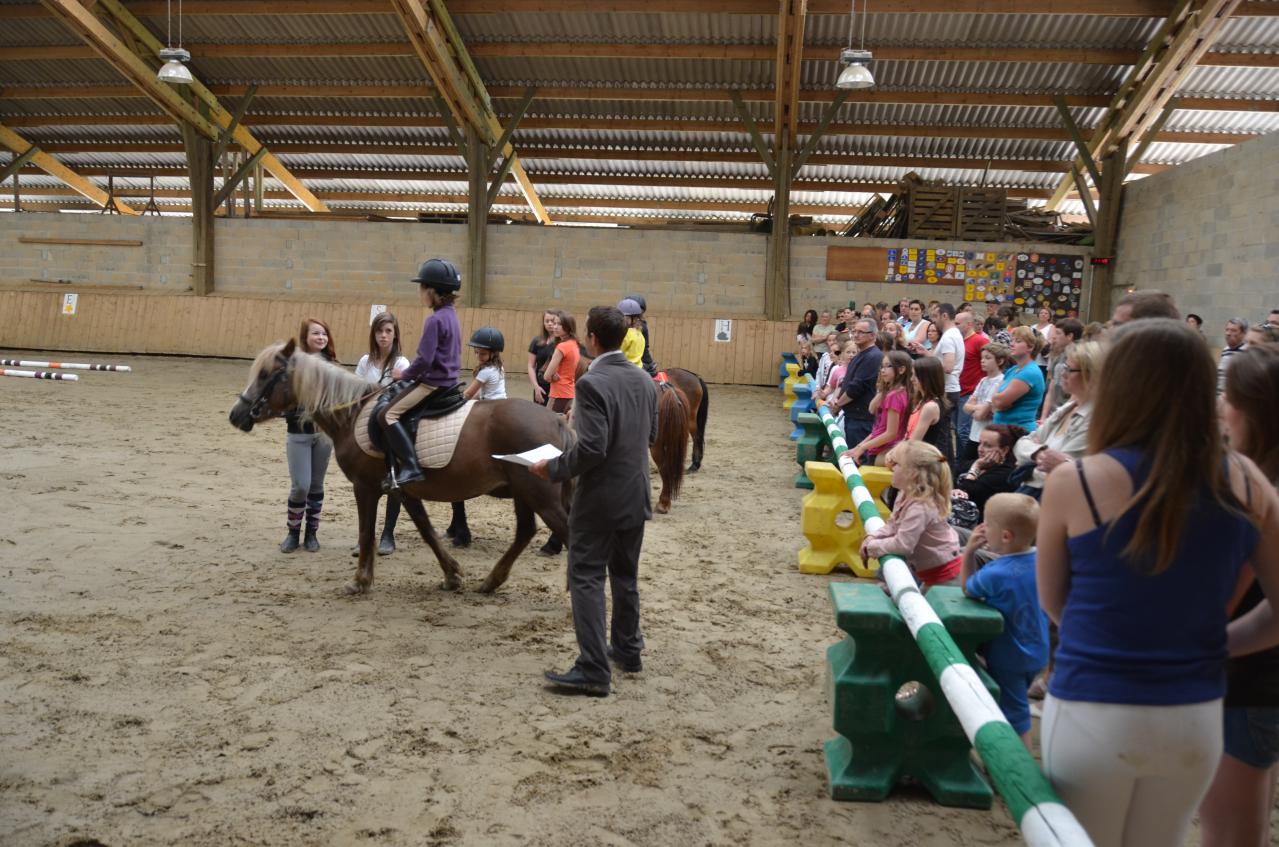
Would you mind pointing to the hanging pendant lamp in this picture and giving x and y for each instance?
(175, 59)
(855, 75)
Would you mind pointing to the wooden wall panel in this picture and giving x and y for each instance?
(239, 327)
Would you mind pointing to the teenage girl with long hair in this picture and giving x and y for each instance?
(381, 366)
(561, 370)
(930, 419)
(1237, 807)
(1140, 548)
(540, 350)
(308, 452)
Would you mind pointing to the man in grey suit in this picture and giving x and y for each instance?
(615, 415)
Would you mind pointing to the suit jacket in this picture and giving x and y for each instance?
(615, 415)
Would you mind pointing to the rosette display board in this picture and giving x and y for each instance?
(1044, 279)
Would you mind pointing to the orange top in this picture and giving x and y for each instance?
(566, 386)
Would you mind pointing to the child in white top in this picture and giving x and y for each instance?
(381, 366)
(489, 381)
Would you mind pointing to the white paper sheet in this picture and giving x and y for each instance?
(530, 457)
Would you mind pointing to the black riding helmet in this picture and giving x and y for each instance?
(487, 338)
(438, 274)
(639, 298)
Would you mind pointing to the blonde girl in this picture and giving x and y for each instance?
(918, 530)
(890, 406)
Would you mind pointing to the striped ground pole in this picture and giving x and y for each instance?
(40, 375)
(1039, 813)
(79, 366)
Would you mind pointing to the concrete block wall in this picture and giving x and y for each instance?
(687, 272)
(163, 262)
(329, 260)
(1207, 232)
(684, 272)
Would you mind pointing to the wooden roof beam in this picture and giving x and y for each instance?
(419, 92)
(707, 52)
(50, 165)
(431, 32)
(1171, 55)
(1043, 133)
(251, 8)
(143, 76)
(513, 199)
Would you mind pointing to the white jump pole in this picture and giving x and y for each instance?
(75, 366)
(40, 375)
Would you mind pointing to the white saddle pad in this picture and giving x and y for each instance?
(436, 437)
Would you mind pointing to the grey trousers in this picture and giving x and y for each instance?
(592, 556)
(308, 457)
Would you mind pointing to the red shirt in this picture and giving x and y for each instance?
(972, 372)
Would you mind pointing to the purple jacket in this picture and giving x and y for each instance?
(439, 353)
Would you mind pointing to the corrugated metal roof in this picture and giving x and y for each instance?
(986, 30)
(636, 28)
(670, 153)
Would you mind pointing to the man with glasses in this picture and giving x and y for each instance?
(858, 387)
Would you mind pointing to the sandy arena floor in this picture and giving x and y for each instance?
(168, 677)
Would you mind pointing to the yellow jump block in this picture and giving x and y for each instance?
(834, 540)
(788, 385)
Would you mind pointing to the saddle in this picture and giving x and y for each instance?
(445, 409)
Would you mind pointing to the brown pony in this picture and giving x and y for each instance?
(671, 443)
(699, 398)
(284, 378)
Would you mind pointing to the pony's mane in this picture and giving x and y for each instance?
(318, 384)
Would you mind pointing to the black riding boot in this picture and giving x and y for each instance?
(405, 452)
(386, 545)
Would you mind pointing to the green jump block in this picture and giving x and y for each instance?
(885, 736)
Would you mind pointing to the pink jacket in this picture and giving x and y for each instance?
(916, 533)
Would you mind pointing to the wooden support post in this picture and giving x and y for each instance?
(1081, 146)
(495, 187)
(200, 166)
(224, 138)
(478, 162)
(1151, 134)
(777, 278)
(227, 192)
(756, 138)
(1108, 214)
(451, 125)
(17, 163)
(259, 192)
(1085, 195)
(818, 132)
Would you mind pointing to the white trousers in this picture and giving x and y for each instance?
(1132, 775)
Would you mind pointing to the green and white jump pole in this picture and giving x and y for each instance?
(1043, 819)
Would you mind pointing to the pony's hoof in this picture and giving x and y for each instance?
(693, 468)
(462, 539)
(662, 508)
(353, 588)
(453, 584)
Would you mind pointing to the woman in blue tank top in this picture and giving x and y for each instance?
(1140, 547)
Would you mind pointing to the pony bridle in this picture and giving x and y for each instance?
(257, 406)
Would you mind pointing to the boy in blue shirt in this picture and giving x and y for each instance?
(1008, 585)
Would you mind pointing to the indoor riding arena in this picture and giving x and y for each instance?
(188, 185)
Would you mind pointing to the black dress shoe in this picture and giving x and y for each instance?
(632, 664)
(574, 680)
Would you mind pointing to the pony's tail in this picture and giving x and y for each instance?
(567, 437)
(703, 411)
(672, 438)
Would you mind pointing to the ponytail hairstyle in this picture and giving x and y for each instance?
(374, 352)
(927, 474)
